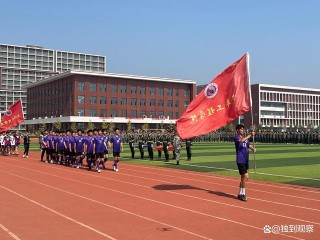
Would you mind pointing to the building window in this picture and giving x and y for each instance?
(93, 112)
(133, 101)
(142, 90)
(186, 104)
(124, 113)
(152, 102)
(114, 100)
(177, 92)
(177, 103)
(187, 93)
(170, 115)
(80, 99)
(114, 88)
(160, 103)
(133, 113)
(93, 87)
(123, 89)
(143, 114)
(160, 91)
(170, 103)
(80, 86)
(103, 112)
(170, 92)
(161, 114)
(151, 91)
(152, 114)
(177, 115)
(123, 101)
(93, 100)
(80, 112)
(103, 87)
(133, 90)
(113, 113)
(103, 100)
(142, 102)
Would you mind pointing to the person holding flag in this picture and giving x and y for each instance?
(243, 145)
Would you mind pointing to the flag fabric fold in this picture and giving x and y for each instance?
(220, 102)
(12, 117)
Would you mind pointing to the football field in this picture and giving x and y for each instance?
(284, 163)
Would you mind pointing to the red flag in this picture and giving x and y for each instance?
(13, 117)
(220, 102)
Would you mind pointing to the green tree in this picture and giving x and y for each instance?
(230, 127)
(161, 124)
(111, 126)
(104, 124)
(90, 125)
(42, 127)
(157, 126)
(129, 126)
(57, 125)
(145, 126)
(73, 126)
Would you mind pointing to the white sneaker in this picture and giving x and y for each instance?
(117, 170)
(51, 161)
(23, 156)
(78, 166)
(27, 156)
(99, 171)
(114, 168)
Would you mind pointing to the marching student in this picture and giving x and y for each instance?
(44, 143)
(17, 137)
(72, 149)
(117, 147)
(26, 144)
(107, 143)
(12, 144)
(243, 145)
(60, 148)
(88, 149)
(99, 147)
(177, 144)
(79, 147)
(66, 141)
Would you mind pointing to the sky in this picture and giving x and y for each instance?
(184, 39)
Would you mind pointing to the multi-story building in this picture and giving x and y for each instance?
(21, 65)
(283, 107)
(114, 97)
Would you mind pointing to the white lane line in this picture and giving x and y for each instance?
(272, 184)
(168, 182)
(95, 201)
(220, 184)
(152, 200)
(9, 232)
(58, 213)
(186, 209)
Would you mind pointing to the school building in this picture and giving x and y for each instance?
(82, 97)
(284, 107)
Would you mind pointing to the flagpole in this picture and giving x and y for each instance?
(253, 143)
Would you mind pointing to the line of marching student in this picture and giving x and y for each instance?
(71, 148)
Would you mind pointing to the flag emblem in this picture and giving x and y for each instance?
(8, 113)
(211, 90)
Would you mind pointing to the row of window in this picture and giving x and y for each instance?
(133, 89)
(133, 101)
(124, 113)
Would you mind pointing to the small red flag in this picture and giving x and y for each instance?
(220, 102)
(12, 117)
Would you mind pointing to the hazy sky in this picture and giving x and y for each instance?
(187, 39)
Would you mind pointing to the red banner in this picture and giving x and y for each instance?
(220, 102)
(13, 117)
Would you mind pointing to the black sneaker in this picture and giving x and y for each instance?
(243, 198)
(177, 163)
(239, 196)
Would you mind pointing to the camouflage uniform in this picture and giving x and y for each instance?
(177, 147)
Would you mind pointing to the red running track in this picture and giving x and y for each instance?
(46, 201)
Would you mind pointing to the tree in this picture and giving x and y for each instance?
(104, 124)
(161, 125)
(145, 126)
(73, 126)
(42, 127)
(57, 125)
(129, 126)
(230, 127)
(157, 126)
(111, 126)
(90, 126)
